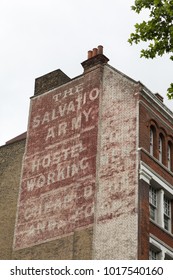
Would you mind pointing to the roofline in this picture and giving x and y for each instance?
(147, 92)
(151, 95)
(16, 139)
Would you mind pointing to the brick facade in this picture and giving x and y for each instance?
(143, 222)
(81, 189)
(10, 172)
(116, 199)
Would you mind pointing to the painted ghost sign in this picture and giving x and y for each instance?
(58, 179)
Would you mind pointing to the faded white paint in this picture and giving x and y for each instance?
(115, 227)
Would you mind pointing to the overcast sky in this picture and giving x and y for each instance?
(39, 36)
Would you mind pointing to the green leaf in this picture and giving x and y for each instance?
(157, 31)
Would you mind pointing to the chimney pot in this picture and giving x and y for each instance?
(90, 54)
(95, 57)
(100, 49)
(95, 51)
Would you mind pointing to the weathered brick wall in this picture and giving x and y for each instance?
(58, 182)
(116, 220)
(10, 171)
(50, 81)
(77, 246)
(79, 189)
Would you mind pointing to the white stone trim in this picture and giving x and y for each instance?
(146, 173)
(166, 110)
(164, 188)
(155, 160)
(162, 247)
(144, 176)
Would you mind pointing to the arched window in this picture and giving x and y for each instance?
(169, 151)
(152, 135)
(161, 148)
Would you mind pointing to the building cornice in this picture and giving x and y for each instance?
(146, 172)
(156, 117)
(163, 109)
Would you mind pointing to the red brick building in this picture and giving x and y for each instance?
(97, 171)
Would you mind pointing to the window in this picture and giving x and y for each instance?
(160, 148)
(167, 206)
(151, 141)
(159, 251)
(153, 203)
(153, 255)
(169, 155)
(168, 257)
(160, 207)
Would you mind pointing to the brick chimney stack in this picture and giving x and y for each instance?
(95, 57)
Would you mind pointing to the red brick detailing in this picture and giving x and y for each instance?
(150, 118)
(161, 234)
(163, 172)
(143, 232)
